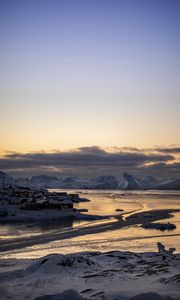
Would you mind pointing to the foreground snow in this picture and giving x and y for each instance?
(73, 295)
(94, 275)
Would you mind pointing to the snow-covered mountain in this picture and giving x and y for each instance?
(25, 183)
(148, 182)
(171, 184)
(7, 181)
(126, 182)
(130, 182)
(46, 181)
(100, 182)
(104, 182)
(74, 182)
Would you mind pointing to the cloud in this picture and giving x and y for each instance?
(174, 150)
(162, 167)
(85, 156)
(88, 160)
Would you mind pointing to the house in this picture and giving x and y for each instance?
(63, 194)
(74, 196)
(3, 213)
(48, 204)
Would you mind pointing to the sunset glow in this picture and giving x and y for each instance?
(83, 73)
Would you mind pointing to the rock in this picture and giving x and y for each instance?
(159, 226)
(162, 250)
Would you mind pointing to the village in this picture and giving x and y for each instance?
(15, 201)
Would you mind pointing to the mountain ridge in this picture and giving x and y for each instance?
(125, 182)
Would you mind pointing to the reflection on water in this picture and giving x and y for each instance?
(16, 230)
(133, 238)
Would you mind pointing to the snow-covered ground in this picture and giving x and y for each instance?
(94, 275)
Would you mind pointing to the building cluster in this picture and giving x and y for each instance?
(28, 199)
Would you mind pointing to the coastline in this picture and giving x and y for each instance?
(52, 217)
(113, 224)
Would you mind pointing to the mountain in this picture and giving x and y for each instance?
(128, 182)
(7, 181)
(100, 182)
(46, 181)
(74, 182)
(171, 184)
(104, 182)
(148, 182)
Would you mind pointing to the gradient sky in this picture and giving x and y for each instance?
(77, 73)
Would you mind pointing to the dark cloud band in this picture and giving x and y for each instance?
(87, 156)
(92, 161)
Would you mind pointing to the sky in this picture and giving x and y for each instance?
(89, 74)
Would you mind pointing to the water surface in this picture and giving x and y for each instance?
(105, 203)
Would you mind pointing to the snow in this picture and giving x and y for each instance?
(95, 275)
(73, 295)
(68, 295)
(172, 184)
(126, 182)
(7, 181)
